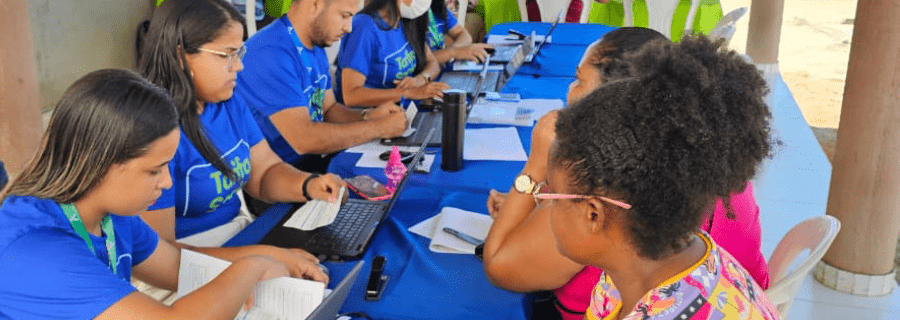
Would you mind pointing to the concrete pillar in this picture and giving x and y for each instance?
(764, 34)
(20, 111)
(865, 181)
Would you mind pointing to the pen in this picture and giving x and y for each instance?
(463, 236)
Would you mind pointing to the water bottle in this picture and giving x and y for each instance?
(454, 127)
(394, 170)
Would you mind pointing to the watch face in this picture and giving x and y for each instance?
(523, 183)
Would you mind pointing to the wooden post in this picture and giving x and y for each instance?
(764, 34)
(865, 180)
(20, 111)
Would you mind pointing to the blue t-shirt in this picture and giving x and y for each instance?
(382, 55)
(279, 73)
(203, 197)
(49, 272)
(437, 28)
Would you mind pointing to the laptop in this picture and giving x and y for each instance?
(472, 82)
(533, 53)
(425, 122)
(351, 232)
(328, 309)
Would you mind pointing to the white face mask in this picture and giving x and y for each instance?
(415, 9)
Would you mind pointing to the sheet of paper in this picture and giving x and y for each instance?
(280, 298)
(511, 39)
(372, 160)
(315, 213)
(501, 144)
(472, 223)
(541, 106)
(376, 146)
(501, 112)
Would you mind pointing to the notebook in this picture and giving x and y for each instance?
(351, 232)
(328, 309)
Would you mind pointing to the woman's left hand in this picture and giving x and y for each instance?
(476, 52)
(325, 187)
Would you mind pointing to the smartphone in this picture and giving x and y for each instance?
(368, 188)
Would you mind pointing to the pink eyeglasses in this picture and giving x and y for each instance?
(540, 192)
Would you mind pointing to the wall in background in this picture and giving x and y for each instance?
(74, 37)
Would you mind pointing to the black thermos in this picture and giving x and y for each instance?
(454, 127)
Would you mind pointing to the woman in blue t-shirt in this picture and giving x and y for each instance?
(442, 24)
(385, 58)
(193, 48)
(71, 240)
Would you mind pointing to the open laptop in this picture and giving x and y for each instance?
(351, 232)
(328, 309)
(425, 122)
(471, 82)
(533, 53)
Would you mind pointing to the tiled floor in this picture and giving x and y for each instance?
(793, 186)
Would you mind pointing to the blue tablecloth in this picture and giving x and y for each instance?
(428, 285)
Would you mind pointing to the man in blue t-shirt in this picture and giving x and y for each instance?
(287, 84)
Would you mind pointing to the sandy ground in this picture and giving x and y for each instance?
(813, 55)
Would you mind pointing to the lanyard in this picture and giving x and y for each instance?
(107, 226)
(300, 48)
(315, 104)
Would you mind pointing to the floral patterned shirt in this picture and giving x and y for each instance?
(717, 287)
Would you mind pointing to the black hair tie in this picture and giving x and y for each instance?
(306, 183)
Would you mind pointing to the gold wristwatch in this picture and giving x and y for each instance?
(524, 184)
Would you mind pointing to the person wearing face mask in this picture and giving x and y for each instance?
(385, 58)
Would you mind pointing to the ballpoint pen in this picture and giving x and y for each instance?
(463, 236)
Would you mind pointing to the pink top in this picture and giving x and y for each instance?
(740, 237)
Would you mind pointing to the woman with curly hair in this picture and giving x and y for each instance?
(520, 234)
(635, 167)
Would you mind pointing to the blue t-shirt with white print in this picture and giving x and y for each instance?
(382, 55)
(438, 26)
(48, 270)
(203, 197)
(280, 74)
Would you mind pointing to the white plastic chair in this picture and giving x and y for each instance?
(660, 14)
(725, 29)
(550, 9)
(813, 234)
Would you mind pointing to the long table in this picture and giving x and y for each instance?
(429, 285)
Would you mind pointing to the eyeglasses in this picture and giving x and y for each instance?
(541, 192)
(239, 53)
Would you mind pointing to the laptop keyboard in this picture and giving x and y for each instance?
(348, 226)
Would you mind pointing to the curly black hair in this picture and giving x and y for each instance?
(691, 126)
(610, 55)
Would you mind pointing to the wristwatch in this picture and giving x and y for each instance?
(524, 184)
(427, 77)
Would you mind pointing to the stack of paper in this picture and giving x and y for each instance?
(500, 39)
(315, 213)
(471, 223)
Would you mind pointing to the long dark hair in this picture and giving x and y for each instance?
(439, 9)
(413, 29)
(185, 24)
(107, 117)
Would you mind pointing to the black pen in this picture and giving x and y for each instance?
(462, 236)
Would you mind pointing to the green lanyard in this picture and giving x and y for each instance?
(106, 225)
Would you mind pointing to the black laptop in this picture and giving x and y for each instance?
(348, 236)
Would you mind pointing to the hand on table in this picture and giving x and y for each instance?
(384, 110)
(476, 51)
(430, 90)
(411, 82)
